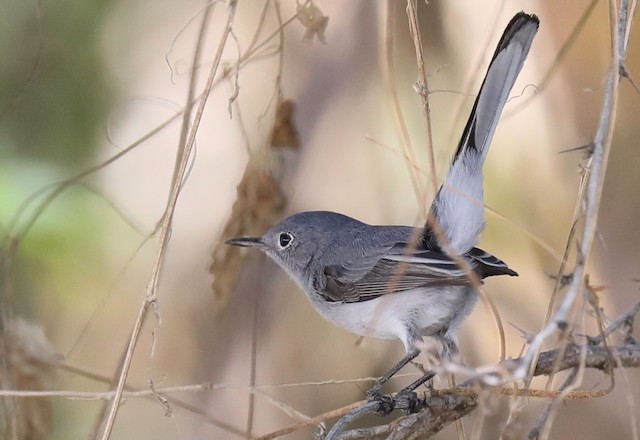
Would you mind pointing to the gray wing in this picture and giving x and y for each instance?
(397, 270)
(402, 269)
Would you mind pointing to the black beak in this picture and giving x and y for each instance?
(255, 242)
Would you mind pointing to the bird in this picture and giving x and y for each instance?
(403, 282)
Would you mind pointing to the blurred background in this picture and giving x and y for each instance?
(82, 81)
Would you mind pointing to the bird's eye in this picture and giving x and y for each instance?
(284, 240)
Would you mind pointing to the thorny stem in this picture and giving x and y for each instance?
(595, 183)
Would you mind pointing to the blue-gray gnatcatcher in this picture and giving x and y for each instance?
(402, 282)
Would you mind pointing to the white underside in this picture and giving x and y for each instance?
(429, 312)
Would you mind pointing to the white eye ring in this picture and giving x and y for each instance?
(284, 240)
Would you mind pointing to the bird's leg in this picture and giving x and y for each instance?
(449, 349)
(425, 377)
(386, 404)
(407, 397)
(375, 389)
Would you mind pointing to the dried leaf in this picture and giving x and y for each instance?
(31, 365)
(260, 202)
(284, 132)
(314, 21)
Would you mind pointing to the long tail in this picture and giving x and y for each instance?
(457, 208)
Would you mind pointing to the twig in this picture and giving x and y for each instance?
(596, 357)
(253, 354)
(624, 319)
(441, 410)
(593, 193)
(544, 416)
(132, 392)
(368, 408)
(407, 147)
(21, 91)
(193, 81)
(311, 422)
(423, 89)
(165, 231)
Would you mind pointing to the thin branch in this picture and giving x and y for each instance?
(593, 193)
(149, 394)
(193, 81)
(165, 231)
(597, 358)
(541, 424)
(623, 320)
(423, 89)
(368, 408)
(389, 74)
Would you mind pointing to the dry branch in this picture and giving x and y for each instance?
(444, 407)
(430, 412)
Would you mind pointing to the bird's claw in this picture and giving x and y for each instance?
(374, 391)
(409, 401)
(386, 404)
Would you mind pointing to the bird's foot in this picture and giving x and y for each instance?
(386, 404)
(374, 391)
(409, 402)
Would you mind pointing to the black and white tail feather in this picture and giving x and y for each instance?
(458, 206)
